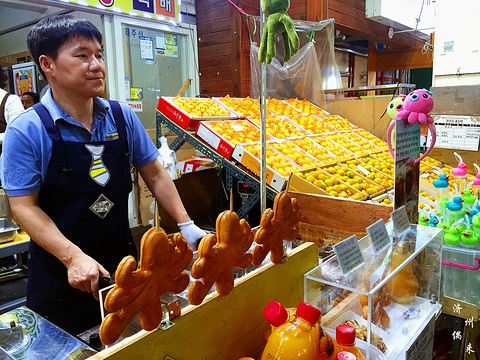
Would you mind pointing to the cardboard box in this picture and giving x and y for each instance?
(194, 164)
(274, 179)
(299, 184)
(183, 118)
(145, 200)
(216, 140)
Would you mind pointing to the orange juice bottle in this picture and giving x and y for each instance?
(295, 340)
(345, 337)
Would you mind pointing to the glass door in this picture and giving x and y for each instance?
(153, 60)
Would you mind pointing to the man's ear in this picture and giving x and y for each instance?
(46, 63)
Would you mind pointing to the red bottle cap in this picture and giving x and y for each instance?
(308, 312)
(275, 313)
(345, 355)
(345, 335)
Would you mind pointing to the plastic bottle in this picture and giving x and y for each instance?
(345, 337)
(345, 355)
(295, 340)
(404, 284)
(276, 314)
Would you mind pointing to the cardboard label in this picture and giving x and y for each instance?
(208, 136)
(363, 170)
(348, 253)
(400, 220)
(379, 235)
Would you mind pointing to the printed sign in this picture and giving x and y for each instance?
(422, 347)
(379, 235)
(400, 219)
(151, 9)
(146, 47)
(348, 253)
(407, 175)
(166, 45)
(456, 132)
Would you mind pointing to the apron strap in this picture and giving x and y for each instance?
(120, 122)
(48, 122)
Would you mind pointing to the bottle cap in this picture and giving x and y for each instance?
(308, 312)
(275, 313)
(345, 335)
(345, 355)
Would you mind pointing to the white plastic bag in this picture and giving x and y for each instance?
(167, 158)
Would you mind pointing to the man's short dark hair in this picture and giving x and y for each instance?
(49, 34)
(35, 96)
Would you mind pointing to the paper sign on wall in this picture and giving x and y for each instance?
(379, 236)
(146, 47)
(349, 254)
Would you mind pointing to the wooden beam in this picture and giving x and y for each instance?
(371, 66)
(402, 58)
(316, 10)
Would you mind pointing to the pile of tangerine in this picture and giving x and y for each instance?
(200, 107)
(236, 131)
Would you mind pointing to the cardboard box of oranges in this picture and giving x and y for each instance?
(224, 135)
(318, 181)
(278, 166)
(187, 112)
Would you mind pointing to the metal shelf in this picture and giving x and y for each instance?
(231, 170)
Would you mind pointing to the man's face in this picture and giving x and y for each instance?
(27, 101)
(79, 69)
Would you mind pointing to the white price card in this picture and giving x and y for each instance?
(237, 127)
(349, 254)
(363, 170)
(400, 219)
(379, 235)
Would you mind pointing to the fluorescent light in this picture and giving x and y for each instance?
(117, 9)
(132, 13)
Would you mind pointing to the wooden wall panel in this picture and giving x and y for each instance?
(213, 63)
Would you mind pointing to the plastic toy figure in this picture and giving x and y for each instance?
(416, 107)
(278, 22)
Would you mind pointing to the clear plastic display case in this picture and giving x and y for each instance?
(461, 266)
(391, 298)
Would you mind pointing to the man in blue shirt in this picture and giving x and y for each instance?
(66, 169)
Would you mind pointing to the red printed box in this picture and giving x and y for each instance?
(224, 135)
(188, 112)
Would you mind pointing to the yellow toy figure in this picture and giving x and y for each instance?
(278, 22)
(394, 107)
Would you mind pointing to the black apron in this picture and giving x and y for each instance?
(93, 216)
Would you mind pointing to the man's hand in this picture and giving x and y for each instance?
(192, 233)
(83, 273)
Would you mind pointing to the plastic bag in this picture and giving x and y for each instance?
(310, 71)
(167, 158)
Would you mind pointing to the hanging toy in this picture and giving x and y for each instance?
(416, 107)
(278, 22)
(434, 220)
(393, 108)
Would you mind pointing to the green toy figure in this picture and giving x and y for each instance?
(278, 22)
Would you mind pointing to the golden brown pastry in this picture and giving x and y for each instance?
(217, 254)
(276, 225)
(162, 262)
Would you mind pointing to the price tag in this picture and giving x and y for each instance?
(237, 127)
(400, 219)
(379, 235)
(349, 255)
(363, 170)
(425, 175)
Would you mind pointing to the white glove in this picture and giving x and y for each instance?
(192, 233)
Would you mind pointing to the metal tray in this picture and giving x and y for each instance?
(7, 230)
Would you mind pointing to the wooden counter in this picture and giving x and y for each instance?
(224, 328)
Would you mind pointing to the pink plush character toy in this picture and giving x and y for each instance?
(416, 107)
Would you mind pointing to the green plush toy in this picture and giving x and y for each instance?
(278, 22)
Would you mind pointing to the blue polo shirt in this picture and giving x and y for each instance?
(27, 148)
